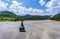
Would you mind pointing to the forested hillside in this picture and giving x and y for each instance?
(56, 17)
(10, 16)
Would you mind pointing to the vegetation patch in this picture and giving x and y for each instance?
(56, 17)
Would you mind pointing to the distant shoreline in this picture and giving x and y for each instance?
(30, 20)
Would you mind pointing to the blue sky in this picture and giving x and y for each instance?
(32, 3)
(33, 7)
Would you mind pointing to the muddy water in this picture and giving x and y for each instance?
(45, 29)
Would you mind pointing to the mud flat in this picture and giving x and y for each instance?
(41, 29)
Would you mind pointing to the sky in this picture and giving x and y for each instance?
(33, 7)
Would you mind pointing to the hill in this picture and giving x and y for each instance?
(56, 17)
(35, 17)
(8, 16)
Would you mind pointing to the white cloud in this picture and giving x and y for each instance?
(20, 10)
(59, 3)
(3, 6)
(16, 3)
(7, 0)
(23, 10)
(53, 7)
(17, 8)
(42, 2)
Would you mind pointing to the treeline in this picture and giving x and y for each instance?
(35, 17)
(56, 17)
(10, 16)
